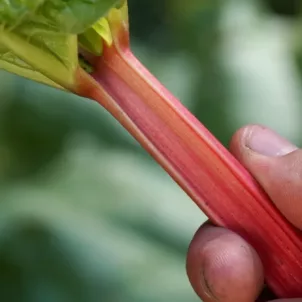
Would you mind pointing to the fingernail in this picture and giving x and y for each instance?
(266, 142)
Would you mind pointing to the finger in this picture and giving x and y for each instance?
(221, 266)
(276, 164)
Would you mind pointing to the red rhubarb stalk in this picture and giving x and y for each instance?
(205, 170)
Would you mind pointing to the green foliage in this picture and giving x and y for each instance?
(42, 55)
(38, 39)
(69, 17)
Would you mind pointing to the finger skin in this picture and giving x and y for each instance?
(280, 176)
(222, 267)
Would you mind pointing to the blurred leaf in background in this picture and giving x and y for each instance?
(86, 214)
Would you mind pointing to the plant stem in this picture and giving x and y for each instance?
(205, 170)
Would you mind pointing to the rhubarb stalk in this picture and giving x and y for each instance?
(192, 156)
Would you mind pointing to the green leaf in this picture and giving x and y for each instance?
(52, 54)
(39, 38)
(72, 16)
(91, 40)
(11, 63)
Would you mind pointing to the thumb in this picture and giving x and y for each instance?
(277, 166)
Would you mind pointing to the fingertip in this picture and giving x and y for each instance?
(221, 266)
(259, 140)
(276, 164)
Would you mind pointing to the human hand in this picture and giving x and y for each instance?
(221, 266)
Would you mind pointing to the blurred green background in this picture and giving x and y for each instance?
(85, 213)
